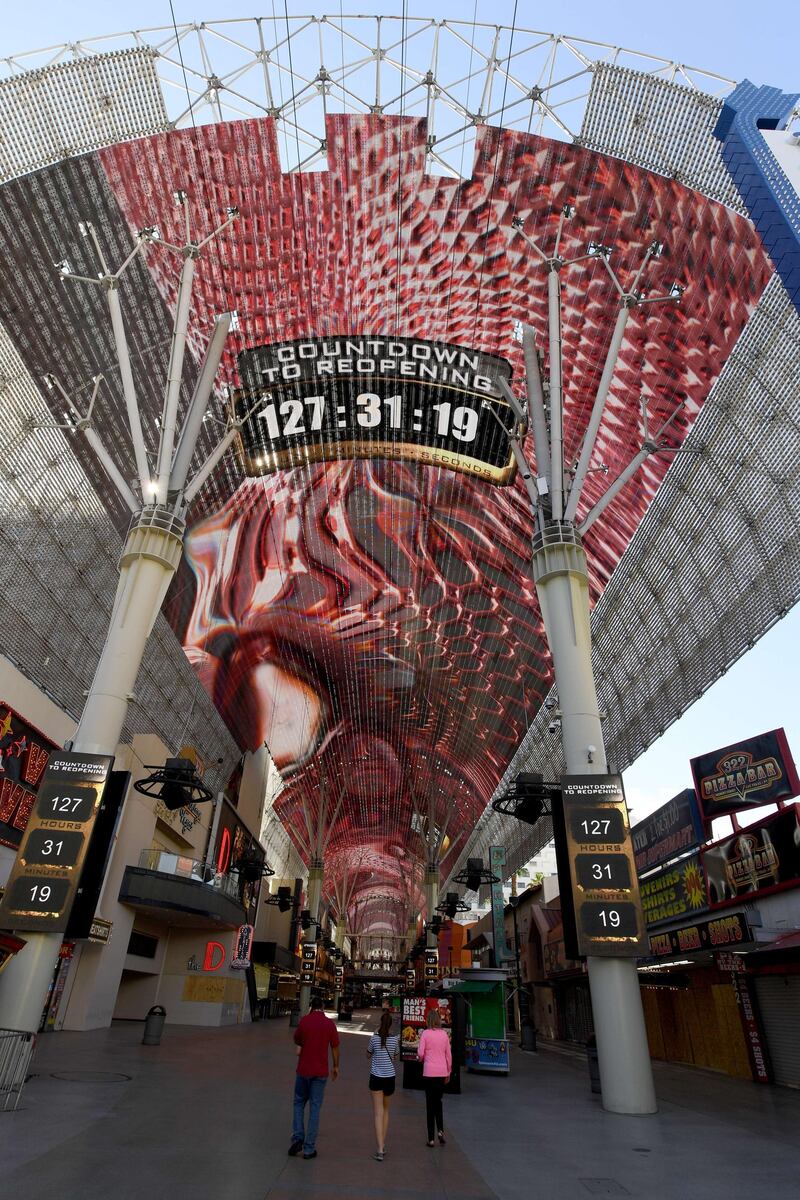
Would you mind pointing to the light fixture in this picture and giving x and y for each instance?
(64, 266)
(528, 798)
(475, 875)
(282, 899)
(252, 867)
(176, 784)
(676, 292)
(451, 905)
(598, 250)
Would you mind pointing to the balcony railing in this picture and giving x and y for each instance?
(168, 863)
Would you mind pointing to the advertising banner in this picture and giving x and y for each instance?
(415, 1011)
(759, 770)
(486, 1054)
(717, 933)
(762, 858)
(676, 890)
(671, 830)
(24, 753)
(318, 399)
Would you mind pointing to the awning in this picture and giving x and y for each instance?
(786, 941)
(475, 985)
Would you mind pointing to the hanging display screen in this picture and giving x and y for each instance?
(605, 890)
(45, 877)
(372, 397)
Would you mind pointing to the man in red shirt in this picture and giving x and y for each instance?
(313, 1035)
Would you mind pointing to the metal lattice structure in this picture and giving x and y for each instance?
(458, 75)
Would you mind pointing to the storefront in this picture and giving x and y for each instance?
(692, 1007)
(773, 973)
(571, 1019)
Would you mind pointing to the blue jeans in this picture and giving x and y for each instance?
(308, 1089)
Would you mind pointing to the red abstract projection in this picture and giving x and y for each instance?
(375, 622)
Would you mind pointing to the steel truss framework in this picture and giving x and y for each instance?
(456, 74)
(714, 562)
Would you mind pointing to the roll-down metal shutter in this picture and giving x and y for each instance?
(779, 1002)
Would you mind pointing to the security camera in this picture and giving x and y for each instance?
(554, 726)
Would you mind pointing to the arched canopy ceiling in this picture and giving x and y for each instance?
(371, 617)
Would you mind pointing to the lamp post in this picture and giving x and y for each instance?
(561, 576)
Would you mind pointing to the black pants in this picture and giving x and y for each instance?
(434, 1090)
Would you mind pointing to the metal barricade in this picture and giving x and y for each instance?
(16, 1050)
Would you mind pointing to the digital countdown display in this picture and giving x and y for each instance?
(609, 920)
(44, 879)
(373, 397)
(308, 963)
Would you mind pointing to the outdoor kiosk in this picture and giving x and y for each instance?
(486, 1040)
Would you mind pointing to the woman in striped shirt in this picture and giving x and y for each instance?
(382, 1049)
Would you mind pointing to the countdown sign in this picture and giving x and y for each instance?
(44, 879)
(431, 965)
(308, 963)
(373, 397)
(605, 889)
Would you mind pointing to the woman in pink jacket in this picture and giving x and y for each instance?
(437, 1063)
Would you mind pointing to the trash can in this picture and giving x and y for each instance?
(594, 1066)
(294, 1018)
(154, 1025)
(528, 1041)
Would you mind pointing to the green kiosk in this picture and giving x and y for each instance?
(486, 1041)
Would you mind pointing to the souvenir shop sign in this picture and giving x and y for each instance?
(24, 754)
(671, 830)
(677, 890)
(415, 1013)
(717, 933)
(759, 770)
(45, 877)
(762, 858)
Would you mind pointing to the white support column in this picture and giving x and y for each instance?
(149, 560)
(315, 877)
(175, 374)
(562, 585)
(556, 399)
(431, 900)
(128, 388)
(590, 437)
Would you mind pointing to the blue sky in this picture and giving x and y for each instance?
(736, 39)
